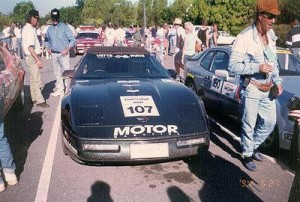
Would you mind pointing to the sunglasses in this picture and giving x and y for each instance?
(269, 16)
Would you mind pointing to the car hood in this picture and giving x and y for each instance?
(121, 108)
(88, 40)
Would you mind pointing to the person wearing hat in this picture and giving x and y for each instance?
(180, 35)
(293, 37)
(254, 59)
(60, 41)
(32, 50)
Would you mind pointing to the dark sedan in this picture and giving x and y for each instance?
(12, 82)
(208, 75)
(123, 106)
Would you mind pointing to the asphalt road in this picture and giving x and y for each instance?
(46, 174)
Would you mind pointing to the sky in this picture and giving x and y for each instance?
(43, 6)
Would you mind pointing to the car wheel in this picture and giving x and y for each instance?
(20, 100)
(190, 84)
(271, 144)
(64, 147)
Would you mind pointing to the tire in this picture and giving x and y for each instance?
(271, 144)
(20, 101)
(64, 147)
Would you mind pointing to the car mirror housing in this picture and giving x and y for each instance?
(69, 73)
(222, 74)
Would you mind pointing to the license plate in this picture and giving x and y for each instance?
(154, 150)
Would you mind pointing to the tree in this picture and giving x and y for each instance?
(21, 10)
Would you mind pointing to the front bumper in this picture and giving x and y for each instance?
(100, 151)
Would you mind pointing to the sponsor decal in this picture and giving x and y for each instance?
(134, 106)
(132, 91)
(128, 81)
(104, 56)
(145, 130)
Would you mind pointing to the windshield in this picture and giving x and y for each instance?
(289, 64)
(99, 66)
(87, 35)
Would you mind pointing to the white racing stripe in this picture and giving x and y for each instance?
(43, 187)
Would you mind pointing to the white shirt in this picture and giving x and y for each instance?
(18, 32)
(120, 34)
(29, 38)
(110, 34)
(6, 32)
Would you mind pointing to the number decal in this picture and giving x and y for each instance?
(138, 106)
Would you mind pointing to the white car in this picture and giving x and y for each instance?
(225, 38)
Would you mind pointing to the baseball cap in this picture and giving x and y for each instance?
(34, 13)
(55, 13)
(267, 6)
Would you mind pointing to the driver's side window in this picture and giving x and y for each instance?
(205, 63)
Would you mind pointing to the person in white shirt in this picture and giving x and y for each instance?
(32, 49)
(7, 39)
(109, 36)
(120, 36)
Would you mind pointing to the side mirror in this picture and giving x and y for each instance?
(172, 73)
(69, 73)
(222, 74)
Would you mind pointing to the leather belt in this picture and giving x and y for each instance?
(264, 87)
(55, 52)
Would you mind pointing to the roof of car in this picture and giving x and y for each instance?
(118, 50)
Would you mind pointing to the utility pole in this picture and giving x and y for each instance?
(144, 31)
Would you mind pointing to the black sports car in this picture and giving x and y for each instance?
(123, 106)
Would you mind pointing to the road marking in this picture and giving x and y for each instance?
(43, 187)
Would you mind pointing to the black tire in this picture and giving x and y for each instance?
(20, 101)
(64, 147)
(271, 144)
(190, 84)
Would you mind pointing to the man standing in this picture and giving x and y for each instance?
(32, 50)
(180, 36)
(293, 37)
(254, 59)
(60, 41)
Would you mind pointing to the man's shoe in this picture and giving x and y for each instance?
(257, 156)
(56, 94)
(2, 187)
(11, 178)
(43, 105)
(250, 165)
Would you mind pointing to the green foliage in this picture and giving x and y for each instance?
(21, 11)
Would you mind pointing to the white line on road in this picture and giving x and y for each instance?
(43, 187)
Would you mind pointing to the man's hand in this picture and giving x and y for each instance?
(39, 64)
(296, 114)
(65, 51)
(265, 68)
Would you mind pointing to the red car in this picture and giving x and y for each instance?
(12, 82)
(87, 39)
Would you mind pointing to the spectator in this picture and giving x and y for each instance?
(60, 41)
(120, 36)
(180, 35)
(203, 35)
(110, 35)
(137, 37)
(19, 40)
(6, 161)
(189, 43)
(13, 37)
(293, 37)
(213, 36)
(45, 39)
(295, 145)
(172, 40)
(254, 58)
(32, 49)
(7, 39)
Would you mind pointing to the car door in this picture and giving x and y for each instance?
(222, 90)
(200, 70)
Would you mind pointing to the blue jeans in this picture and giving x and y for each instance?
(259, 118)
(60, 64)
(6, 158)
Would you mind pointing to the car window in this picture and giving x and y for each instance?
(88, 35)
(100, 66)
(220, 61)
(206, 61)
(288, 62)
